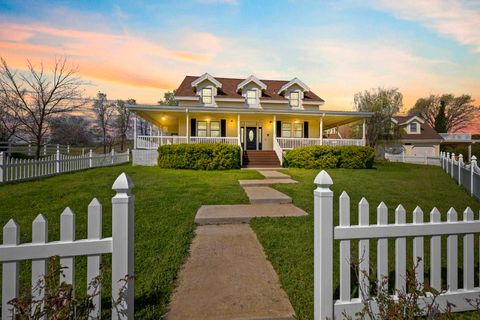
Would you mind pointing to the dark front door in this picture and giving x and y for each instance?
(251, 136)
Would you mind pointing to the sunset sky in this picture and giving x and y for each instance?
(140, 49)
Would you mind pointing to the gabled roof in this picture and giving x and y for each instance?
(254, 79)
(229, 86)
(426, 131)
(292, 82)
(208, 77)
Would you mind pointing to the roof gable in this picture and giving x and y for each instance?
(253, 79)
(292, 82)
(426, 131)
(208, 77)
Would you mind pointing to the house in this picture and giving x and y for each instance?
(417, 137)
(263, 117)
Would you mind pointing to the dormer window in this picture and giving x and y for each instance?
(207, 96)
(413, 127)
(294, 99)
(251, 97)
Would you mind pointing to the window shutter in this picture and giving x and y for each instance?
(305, 129)
(223, 128)
(279, 129)
(193, 127)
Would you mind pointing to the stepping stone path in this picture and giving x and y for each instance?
(227, 275)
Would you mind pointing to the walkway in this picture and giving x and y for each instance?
(227, 275)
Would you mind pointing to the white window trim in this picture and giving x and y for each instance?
(256, 97)
(208, 128)
(298, 106)
(211, 96)
(292, 129)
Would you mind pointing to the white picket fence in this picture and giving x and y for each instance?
(29, 149)
(120, 245)
(430, 160)
(467, 175)
(325, 233)
(12, 169)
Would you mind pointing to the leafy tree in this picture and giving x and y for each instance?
(459, 111)
(441, 119)
(31, 100)
(384, 103)
(122, 122)
(104, 111)
(168, 99)
(72, 130)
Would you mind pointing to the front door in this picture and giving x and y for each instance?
(251, 136)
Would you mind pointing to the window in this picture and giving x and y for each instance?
(286, 130)
(298, 130)
(215, 129)
(294, 99)
(201, 129)
(251, 97)
(207, 96)
(413, 127)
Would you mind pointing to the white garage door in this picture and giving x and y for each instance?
(423, 150)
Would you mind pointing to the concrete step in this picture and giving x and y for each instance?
(243, 213)
(264, 182)
(266, 195)
(227, 276)
(273, 174)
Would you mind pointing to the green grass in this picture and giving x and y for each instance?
(165, 205)
(288, 242)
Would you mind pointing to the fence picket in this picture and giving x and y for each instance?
(418, 248)
(382, 247)
(93, 261)
(39, 267)
(10, 272)
(345, 249)
(452, 254)
(400, 252)
(364, 250)
(468, 256)
(435, 254)
(67, 233)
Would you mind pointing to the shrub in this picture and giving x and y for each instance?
(329, 157)
(202, 156)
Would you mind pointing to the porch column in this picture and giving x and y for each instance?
(321, 131)
(274, 127)
(187, 126)
(364, 138)
(135, 133)
(238, 130)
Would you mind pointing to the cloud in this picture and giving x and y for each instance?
(455, 19)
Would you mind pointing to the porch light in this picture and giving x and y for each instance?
(164, 118)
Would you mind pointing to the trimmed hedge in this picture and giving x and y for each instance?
(328, 157)
(201, 156)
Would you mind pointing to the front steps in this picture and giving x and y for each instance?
(260, 159)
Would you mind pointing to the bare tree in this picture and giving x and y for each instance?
(31, 100)
(458, 112)
(104, 111)
(122, 122)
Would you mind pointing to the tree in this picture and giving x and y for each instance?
(441, 119)
(104, 111)
(384, 103)
(32, 99)
(72, 130)
(459, 111)
(122, 122)
(168, 99)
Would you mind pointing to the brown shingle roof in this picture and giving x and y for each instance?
(426, 131)
(229, 89)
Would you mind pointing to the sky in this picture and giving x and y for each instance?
(140, 49)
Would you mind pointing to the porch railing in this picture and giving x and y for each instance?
(291, 143)
(226, 140)
(153, 142)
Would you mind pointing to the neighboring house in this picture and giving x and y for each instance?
(258, 115)
(417, 137)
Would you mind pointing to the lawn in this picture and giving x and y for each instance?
(288, 242)
(165, 207)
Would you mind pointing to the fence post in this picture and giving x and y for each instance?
(68, 149)
(128, 154)
(460, 163)
(112, 155)
(11, 270)
(473, 164)
(44, 149)
(57, 160)
(122, 248)
(451, 168)
(29, 149)
(90, 159)
(323, 247)
(2, 167)
(447, 159)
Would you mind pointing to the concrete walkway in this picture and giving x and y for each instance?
(227, 275)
